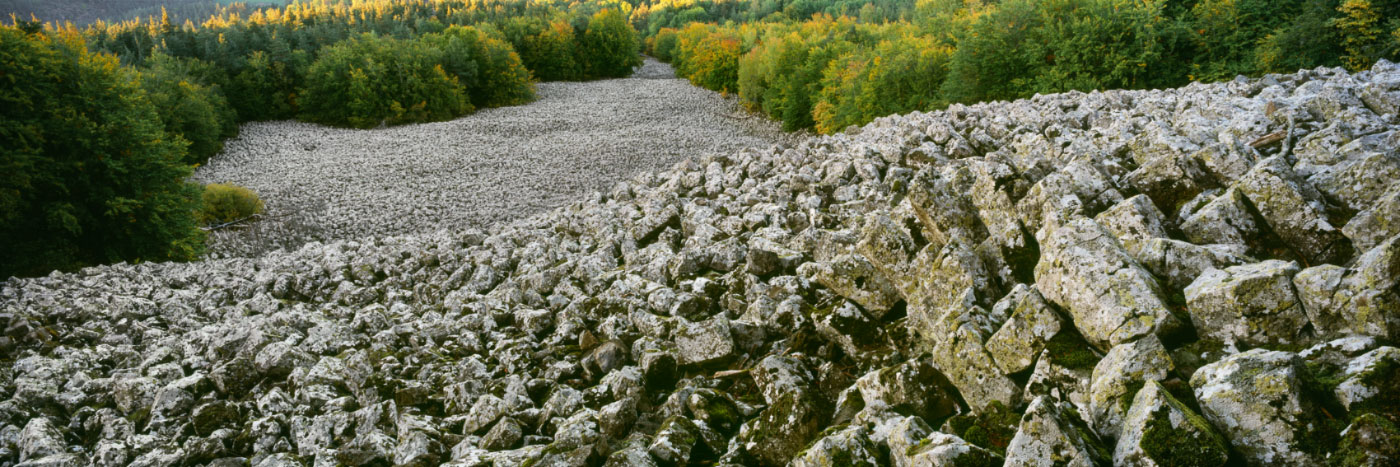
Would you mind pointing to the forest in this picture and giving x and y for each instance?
(829, 66)
(103, 123)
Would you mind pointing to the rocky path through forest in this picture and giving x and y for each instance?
(323, 183)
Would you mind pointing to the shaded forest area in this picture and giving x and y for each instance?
(84, 12)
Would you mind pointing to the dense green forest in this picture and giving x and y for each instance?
(102, 123)
(834, 64)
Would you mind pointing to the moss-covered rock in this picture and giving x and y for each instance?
(1371, 384)
(845, 446)
(1159, 430)
(782, 430)
(1370, 441)
(1052, 433)
(1118, 376)
(991, 430)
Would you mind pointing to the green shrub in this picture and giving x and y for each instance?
(663, 44)
(548, 49)
(609, 46)
(226, 202)
(371, 80)
(90, 175)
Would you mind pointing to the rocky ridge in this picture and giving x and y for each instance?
(1203, 275)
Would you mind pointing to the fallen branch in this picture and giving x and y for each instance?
(1269, 139)
(230, 223)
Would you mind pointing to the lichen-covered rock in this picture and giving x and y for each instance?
(1064, 371)
(1030, 324)
(1295, 211)
(40, 438)
(913, 387)
(849, 327)
(1118, 376)
(945, 213)
(1134, 221)
(1111, 297)
(674, 441)
(1358, 180)
(784, 428)
(1170, 180)
(965, 361)
(484, 413)
(1256, 400)
(903, 436)
(949, 284)
(1252, 304)
(1160, 430)
(1379, 221)
(1226, 219)
(1361, 300)
(706, 342)
(854, 278)
(1371, 383)
(1052, 433)
(847, 446)
(940, 449)
(767, 257)
(504, 435)
(889, 248)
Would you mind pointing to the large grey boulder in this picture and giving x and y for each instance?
(1252, 304)
(1256, 399)
(1295, 211)
(1361, 300)
(1111, 297)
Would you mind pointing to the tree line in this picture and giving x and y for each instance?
(827, 72)
(101, 126)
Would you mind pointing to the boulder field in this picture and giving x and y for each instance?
(1194, 276)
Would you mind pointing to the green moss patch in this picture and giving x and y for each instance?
(992, 430)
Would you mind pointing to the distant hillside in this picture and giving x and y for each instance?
(82, 12)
